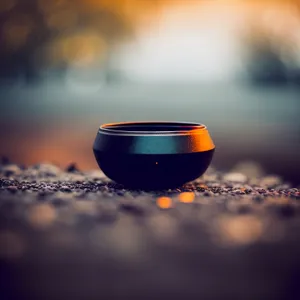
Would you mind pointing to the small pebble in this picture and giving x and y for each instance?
(72, 168)
(10, 170)
(12, 188)
(271, 181)
(66, 189)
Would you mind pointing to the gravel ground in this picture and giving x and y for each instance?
(76, 235)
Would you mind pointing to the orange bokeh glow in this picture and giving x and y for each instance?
(187, 197)
(164, 202)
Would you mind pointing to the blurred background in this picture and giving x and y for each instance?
(66, 66)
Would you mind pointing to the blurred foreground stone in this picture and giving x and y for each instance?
(76, 235)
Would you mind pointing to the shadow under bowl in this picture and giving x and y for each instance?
(153, 155)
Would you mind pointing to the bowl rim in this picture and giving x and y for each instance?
(171, 128)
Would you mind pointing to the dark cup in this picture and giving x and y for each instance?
(153, 155)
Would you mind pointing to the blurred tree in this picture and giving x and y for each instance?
(23, 30)
(264, 61)
(37, 34)
(272, 44)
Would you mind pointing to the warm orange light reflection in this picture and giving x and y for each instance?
(53, 144)
(164, 202)
(186, 197)
(200, 140)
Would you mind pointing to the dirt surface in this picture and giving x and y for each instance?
(76, 235)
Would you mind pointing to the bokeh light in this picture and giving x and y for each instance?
(239, 230)
(186, 197)
(41, 216)
(164, 202)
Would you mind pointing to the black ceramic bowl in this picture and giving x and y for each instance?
(153, 155)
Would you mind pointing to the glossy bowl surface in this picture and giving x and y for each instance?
(153, 155)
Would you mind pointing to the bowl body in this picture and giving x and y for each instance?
(153, 155)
